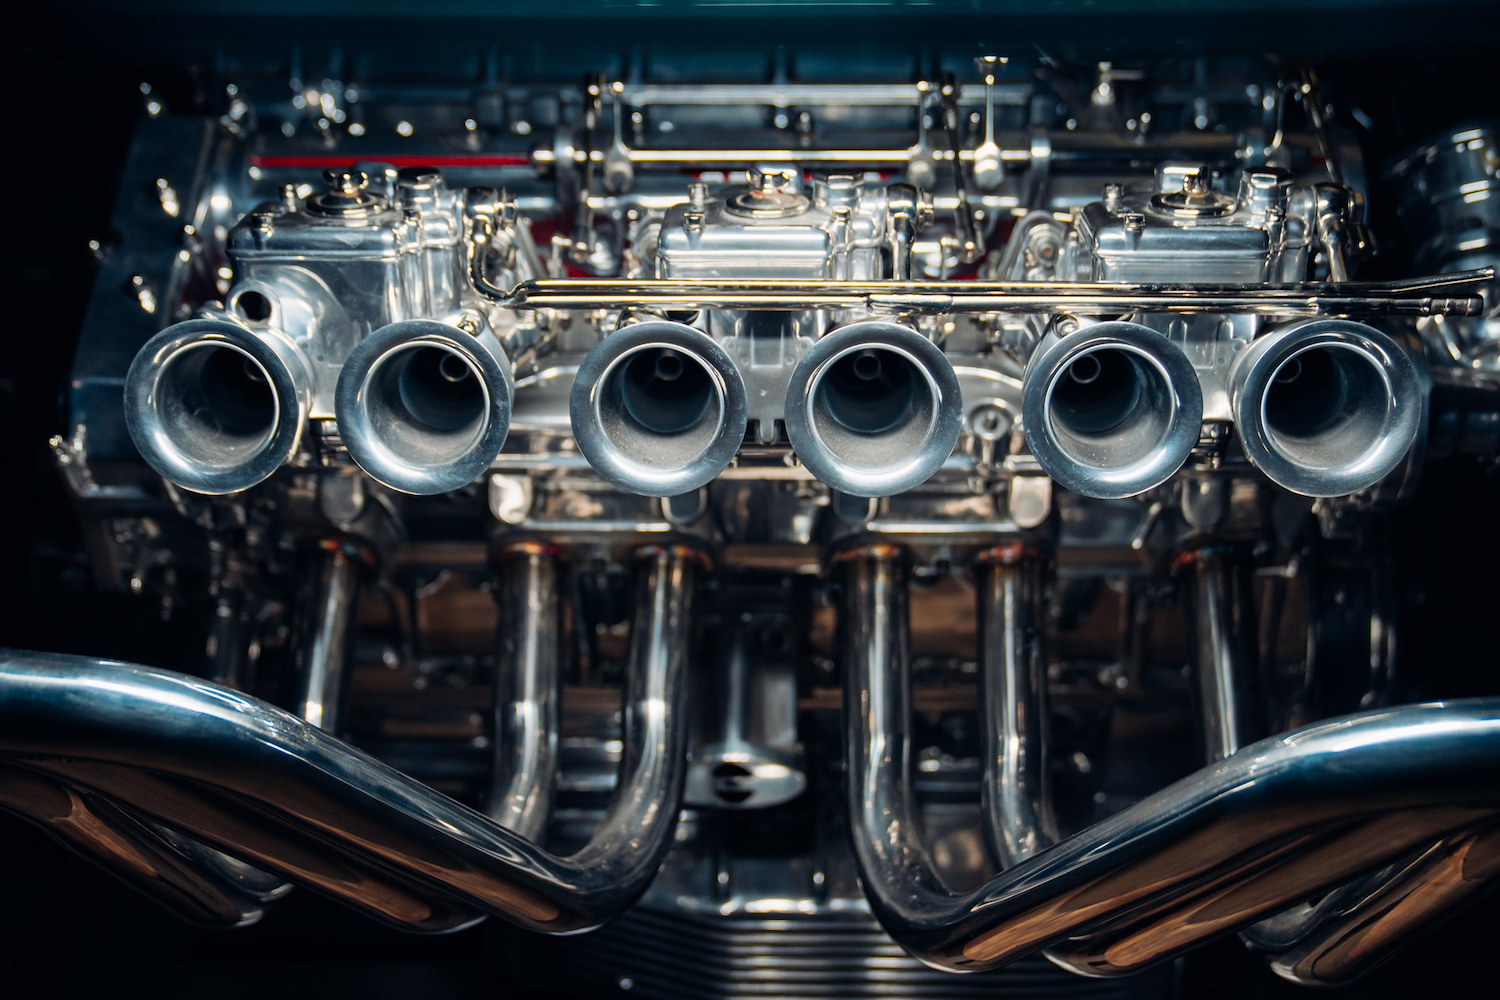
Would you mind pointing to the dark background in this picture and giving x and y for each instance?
(71, 101)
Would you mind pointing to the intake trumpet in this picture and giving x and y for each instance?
(216, 407)
(1326, 407)
(424, 407)
(874, 409)
(658, 409)
(1111, 410)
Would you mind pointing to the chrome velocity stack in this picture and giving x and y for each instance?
(1326, 407)
(424, 407)
(215, 407)
(1111, 410)
(873, 409)
(658, 409)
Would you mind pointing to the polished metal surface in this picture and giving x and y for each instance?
(1017, 787)
(125, 846)
(1447, 294)
(658, 409)
(1051, 410)
(1237, 841)
(1111, 410)
(1355, 935)
(424, 407)
(1218, 619)
(184, 751)
(528, 681)
(746, 754)
(215, 407)
(326, 634)
(1326, 408)
(873, 409)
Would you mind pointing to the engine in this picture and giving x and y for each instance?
(831, 532)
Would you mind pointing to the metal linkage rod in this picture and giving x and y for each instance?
(1448, 294)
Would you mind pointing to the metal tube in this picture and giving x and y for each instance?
(1360, 934)
(1111, 410)
(424, 407)
(1234, 843)
(528, 672)
(321, 660)
(1015, 148)
(1223, 659)
(256, 782)
(1326, 407)
(124, 846)
(658, 409)
(216, 407)
(1453, 294)
(1013, 714)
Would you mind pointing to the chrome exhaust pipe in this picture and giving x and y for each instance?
(215, 407)
(1111, 410)
(874, 409)
(1015, 713)
(658, 409)
(424, 407)
(128, 848)
(1327, 407)
(264, 786)
(1239, 841)
(528, 678)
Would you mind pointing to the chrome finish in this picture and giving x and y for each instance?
(126, 847)
(701, 350)
(1224, 668)
(1446, 294)
(215, 407)
(1450, 206)
(528, 676)
(1244, 838)
(325, 638)
(874, 409)
(1014, 711)
(1111, 410)
(658, 409)
(424, 407)
(1357, 934)
(192, 755)
(746, 755)
(1326, 408)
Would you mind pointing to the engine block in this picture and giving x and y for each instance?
(932, 518)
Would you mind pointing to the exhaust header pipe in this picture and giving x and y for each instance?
(1111, 410)
(1270, 826)
(658, 409)
(874, 409)
(424, 407)
(215, 407)
(262, 785)
(1327, 407)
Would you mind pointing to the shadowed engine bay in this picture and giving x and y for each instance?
(831, 517)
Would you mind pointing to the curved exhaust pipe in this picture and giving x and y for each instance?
(1111, 410)
(424, 407)
(260, 784)
(658, 409)
(215, 407)
(1265, 828)
(874, 409)
(1327, 407)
